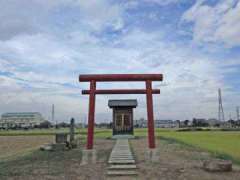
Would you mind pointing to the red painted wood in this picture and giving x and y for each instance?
(148, 78)
(120, 77)
(91, 115)
(151, 136)
(122, 91)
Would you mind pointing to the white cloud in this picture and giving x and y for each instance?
(192, 79)
(100, 13)
(164, 2)
(31, 17)
(49, 63)
(219, 23)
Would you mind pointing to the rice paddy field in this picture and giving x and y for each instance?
(220, 143)
(224, 144)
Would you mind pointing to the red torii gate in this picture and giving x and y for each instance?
(93, 78)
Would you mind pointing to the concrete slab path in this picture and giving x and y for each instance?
(121, 161)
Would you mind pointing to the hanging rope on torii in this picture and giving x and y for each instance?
(94, 78)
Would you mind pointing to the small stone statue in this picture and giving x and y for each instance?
(72, 124)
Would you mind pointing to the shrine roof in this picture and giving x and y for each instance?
(122, 103)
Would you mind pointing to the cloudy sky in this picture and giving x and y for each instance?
(46, 44)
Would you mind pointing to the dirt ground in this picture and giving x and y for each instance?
(177, 162)
(16, 145)
(61, 165)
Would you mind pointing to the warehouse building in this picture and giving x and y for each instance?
(158, 123)
(20, 120)
(166, 124)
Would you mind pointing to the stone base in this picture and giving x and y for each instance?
(59, 147)
(217, 165)
(124, 136)
(89, 156)
(46, 147)
(152, 155)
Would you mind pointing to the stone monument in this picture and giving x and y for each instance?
(72, 124)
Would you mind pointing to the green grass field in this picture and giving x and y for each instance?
(220, 143)
(224, 144)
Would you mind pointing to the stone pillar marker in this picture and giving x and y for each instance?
(72, 125)
(61, 140)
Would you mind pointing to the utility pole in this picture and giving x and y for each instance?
(220, 106)
(53, 115)
(237, 110)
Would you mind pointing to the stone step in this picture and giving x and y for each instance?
(117, 159)
(122, 146)
(122, 173)
(123, 166)
(121, 162)
(121, 157)
(122, 153)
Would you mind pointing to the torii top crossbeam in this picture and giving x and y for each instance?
(93, 78)
(120, 77)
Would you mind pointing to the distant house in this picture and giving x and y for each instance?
(21, 120)
(214, 122)
(199, 122)
(227, 124)
(166, 124)
(158, 123)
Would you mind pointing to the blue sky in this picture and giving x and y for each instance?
(45, 45)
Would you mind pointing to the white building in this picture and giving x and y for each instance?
(214, 122)
(21, 120)
(166, 124)
(158, 123)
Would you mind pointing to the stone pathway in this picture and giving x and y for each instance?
(121, 161)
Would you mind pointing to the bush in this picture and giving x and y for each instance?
(45, 124)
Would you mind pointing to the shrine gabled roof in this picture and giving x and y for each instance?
(122, 103)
